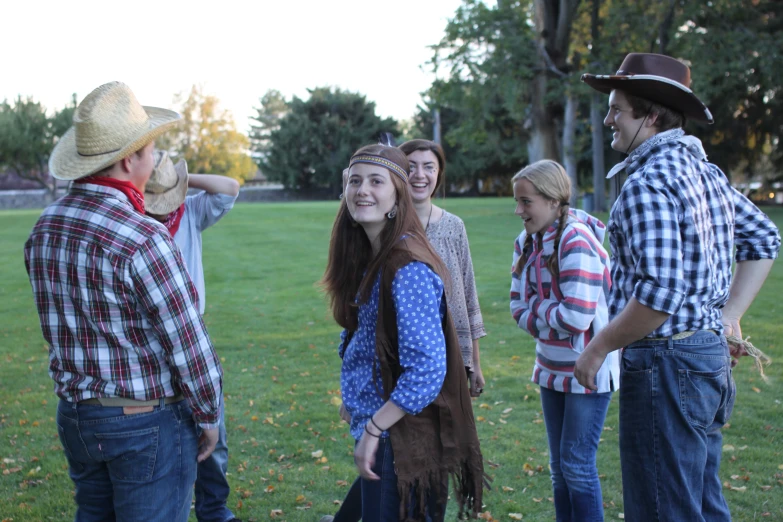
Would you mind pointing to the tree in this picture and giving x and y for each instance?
(208, 139)
(315, 137)
(28, 136)
(273, 109)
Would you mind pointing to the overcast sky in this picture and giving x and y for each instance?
(236, 49)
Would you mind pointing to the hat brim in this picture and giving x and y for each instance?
(66, 163)
(654, 88)
(167, 202)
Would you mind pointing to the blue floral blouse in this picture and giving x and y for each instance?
(419, 301)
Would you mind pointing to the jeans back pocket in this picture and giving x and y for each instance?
(130, 455)
(703, 397)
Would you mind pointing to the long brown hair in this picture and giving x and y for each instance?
(551, 180)
(351, 268)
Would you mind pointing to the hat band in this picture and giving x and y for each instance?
(382, 162)
(97, 153)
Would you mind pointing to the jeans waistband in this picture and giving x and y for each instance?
(115, 402)
(670, 340)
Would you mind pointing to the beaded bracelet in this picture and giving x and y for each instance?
(371, 433)
(373, 423)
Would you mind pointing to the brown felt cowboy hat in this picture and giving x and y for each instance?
(109, 125)
(655, 77)
(167, 187)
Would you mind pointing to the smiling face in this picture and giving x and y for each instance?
(537, 212)
(370, 194)
(424, 174)
(621, 120)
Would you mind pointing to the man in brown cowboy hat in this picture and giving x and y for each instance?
(673, 230)
(130, 357)
(186, 217)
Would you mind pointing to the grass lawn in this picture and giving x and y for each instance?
(277, 341)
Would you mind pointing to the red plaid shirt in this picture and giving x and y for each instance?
(117, 306)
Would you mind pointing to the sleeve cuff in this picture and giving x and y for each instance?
(658, 298)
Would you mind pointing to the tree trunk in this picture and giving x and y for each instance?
(569, 148)
(553, 21)
(599, 167)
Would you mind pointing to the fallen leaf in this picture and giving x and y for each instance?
(506, 488)
(766, 488)
(728, 447)
(276, 513)
(515, 516)
(317, 454)
(269, 489)
(508, 410)
(756, 389)
(336, 401)
(537, 500)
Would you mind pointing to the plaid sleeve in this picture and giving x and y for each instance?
(169, 297)
(755, 236)
(650, 218)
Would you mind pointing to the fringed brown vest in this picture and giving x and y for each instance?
(441, 441)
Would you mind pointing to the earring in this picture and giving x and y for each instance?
(392, 213)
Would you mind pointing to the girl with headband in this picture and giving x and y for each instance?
(403, 380)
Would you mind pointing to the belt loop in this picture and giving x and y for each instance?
(670, 342)
(162, 402)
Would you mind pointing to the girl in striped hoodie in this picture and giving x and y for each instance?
(560, 280)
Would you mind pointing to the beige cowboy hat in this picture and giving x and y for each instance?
(109, 125)
(655, 77)
(167, 187)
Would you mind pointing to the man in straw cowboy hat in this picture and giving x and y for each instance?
(673, 229)
(186, 217)
(129, 354)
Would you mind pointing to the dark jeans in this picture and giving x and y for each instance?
(130, 467)
(212, 487)
(378, 500)
(675, 395)
(574, 422)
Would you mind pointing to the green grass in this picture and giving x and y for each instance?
(271, 328)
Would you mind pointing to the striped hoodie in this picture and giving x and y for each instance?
(564, 315)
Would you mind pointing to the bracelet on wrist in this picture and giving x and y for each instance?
(371, 433)
(373, 423)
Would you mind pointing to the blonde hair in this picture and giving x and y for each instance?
(551, 181)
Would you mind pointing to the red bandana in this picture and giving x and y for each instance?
(173, 219)
(135, 197)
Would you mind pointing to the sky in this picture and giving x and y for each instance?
(237, 50)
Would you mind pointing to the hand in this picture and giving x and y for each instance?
(206, 443)
(477, 382)
(587, 366)
(731, 326)
(364, 456)
(344, 415)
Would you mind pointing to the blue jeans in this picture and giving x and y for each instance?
(380, 501)
(574, 422)
(675, 395)
(130, 467)
(212, 487)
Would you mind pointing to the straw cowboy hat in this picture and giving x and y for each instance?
(108, 125)
(655, 77)
(167, 187)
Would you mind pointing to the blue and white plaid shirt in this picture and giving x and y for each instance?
(672, 231)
